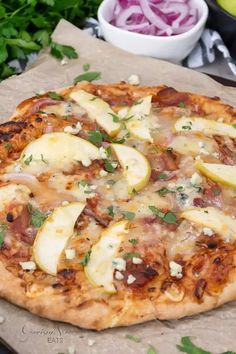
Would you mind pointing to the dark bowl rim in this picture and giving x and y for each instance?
(219, 8)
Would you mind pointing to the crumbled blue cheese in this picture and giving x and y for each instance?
(71, 350)
(91, 342)
(70, 253)
(131, 279)
(30, 265)
(134, 80)
(196, 179)
(103, 153)
(74, 129)
(137, 260)
(119, 264)
(64, 61)
(207, 231)
(17, 167)
(87, 189)
(103, 173)
(119, 275)
(65, 202)
(216, 155)
(2, 319)
(176, 270)
(114, 164)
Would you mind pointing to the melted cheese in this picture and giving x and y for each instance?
(13, 192)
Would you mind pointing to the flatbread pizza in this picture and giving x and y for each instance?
(117, 204)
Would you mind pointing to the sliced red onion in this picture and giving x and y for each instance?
(155, 17)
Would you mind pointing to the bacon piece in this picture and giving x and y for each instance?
(210, 196)
(170, 97)
(143, 273)
(200, 288)
(45, 101)
(21, 222)
(102, 221)
(227, 149)
(167, 161)
(199, 203)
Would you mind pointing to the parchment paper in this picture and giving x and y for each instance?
(28, 334)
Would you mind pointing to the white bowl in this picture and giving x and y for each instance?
(173, 48)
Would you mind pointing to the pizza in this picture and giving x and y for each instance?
(117, 204)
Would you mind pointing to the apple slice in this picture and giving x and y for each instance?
(206, 126)
(98, 110)
(99, 269)
(139, 124)
(136, 167)
(215, 219)
(56, 152)
(53, 236)
(223, 174)
(193, 145)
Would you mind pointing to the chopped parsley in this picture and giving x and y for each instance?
(3, 229)
(83, 183)
(42, 159)
(163, 191)
(108, 166)
(93, 99)
(115, 117)
(86, 67)
(8, 146)
(234, 125)
(130, 255)
(108, 151)
(133, 241)
(216, 191)
(55, 96)
(162, 175)
(110, 210)
(37, 217)
(181, 105)
(129, 215)
(151, 350)
(95, 137)
(188, 347)
(186, 127)
(88, 76)
(138, 102)
(168, 217)
(86, 258)
(133, 338)
(28, 160)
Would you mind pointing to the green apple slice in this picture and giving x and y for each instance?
(53, 236)
(99, 269)
(139, 125)
(56, 152)
(136, 167)
(193, 145)
(223, 174)
(98, 110)
(205, 126)
(213, 218)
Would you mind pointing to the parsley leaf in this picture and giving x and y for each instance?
(130, 255)
(133, 241)
(95, 137)
(168, 217)
(181, 105)
(88, 76)
(37, 217)
(8, 146)
(86, 258)
(28, 160)
(151, 350)
(60, 51)
(115, 118)
(55, 96)
(129, 215)
(234, 125)
(3, 229)
(111, 211)
(135, 339)
(188, 347)
(86, 67)
(163, 191)
(109, 167)
(162, 175)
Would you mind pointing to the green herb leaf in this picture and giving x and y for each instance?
(60, 51)
(186, 127)
(86, 67)
(28, 160)
(168, 217)
(55, 96)
(37, 217)
(188, 347)
(115, 118)
(138, 102)
(111, 211)
(133, 241)
(95, 137)
(88, 76)
(22, 43)
(129, 215)
(42, 37)
(135, 339)
(234, 125)
(3, 52)
(130, 255)
(42, 159)
(108, 166)
(163, 191)
(162, 175)
(86, 258)
(8, 146)
(3, 229)
(181, 105)
(151, 350)
(216, 191)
